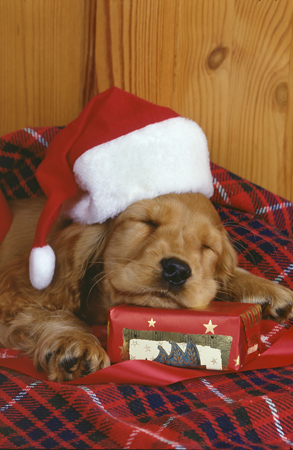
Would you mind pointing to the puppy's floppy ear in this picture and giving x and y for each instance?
(227, 261)
(76, 246)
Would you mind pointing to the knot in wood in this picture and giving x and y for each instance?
(281, 94)
(217, 57)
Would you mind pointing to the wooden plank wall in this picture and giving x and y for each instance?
(226, 64)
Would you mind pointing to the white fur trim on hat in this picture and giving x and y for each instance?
(166, 157)
(41, 266)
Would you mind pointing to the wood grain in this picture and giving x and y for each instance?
(259, 93)
(42, 54)
(225, 64)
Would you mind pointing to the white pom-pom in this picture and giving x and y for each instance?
(41, 266)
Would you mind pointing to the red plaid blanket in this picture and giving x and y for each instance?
(248, 410)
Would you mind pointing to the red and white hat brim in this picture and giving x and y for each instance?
(166, 157)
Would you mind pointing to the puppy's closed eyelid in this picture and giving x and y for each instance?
(151, 223)
(206, 247)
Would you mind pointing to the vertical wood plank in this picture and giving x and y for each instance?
(205, 32)
(286, 185)
(42, 54)
(259, 93)
(136, 47)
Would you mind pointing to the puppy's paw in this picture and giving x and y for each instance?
(277, 304)
(67, 358)
(276, 300)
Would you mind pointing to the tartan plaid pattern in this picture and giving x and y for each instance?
(262, 249)
(239, 194)
(20, 155)
(249, 410)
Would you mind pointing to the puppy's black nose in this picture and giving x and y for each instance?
(175, 271)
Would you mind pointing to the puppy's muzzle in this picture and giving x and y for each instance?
(176, 272)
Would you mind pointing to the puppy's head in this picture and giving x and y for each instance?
(170, 252)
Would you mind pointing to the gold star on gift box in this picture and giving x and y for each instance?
(152, 322)
(237, 361)
(209, 327)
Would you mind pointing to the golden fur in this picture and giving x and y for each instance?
(131, 259)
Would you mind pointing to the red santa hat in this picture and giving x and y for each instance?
(119, 150)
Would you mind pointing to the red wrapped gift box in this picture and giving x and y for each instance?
(224, 336)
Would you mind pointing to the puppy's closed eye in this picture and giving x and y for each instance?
(151, 223)
(206, 247)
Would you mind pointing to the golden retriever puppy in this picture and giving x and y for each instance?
(168, 252)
